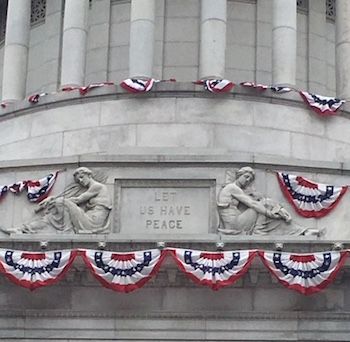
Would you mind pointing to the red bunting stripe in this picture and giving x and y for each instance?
(123, 272)
(213, 269)
(304, 273)
(32, 270)
(134, 85)
(310, 199)
(323, 105)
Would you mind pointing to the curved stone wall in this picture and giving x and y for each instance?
(248, 50)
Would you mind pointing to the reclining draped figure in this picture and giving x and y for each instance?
(83, 207)
(246, 212)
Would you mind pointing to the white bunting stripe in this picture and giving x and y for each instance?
(123, 272)
(213, 269)
(32, 270)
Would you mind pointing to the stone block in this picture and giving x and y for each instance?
(302, 44)
(37, 55)
(176, 8)
(240, 57)
(240, 32)
(263, 77)
(117, 76)
(180, 54)
(238, 75)
(191, 299)
(264, 11)
(221, 111)
(338, 129)
(182, 30)
(96, 77)
(120, 12)
(313, 148)
(136, 111)
(120, 34)
(252, 139)
(96, 60)
(158, 54)
(242, 11)
(264, 34)
(302, 69)
(53, 23)
(264, 58)
(174, 135)
(183, 74)
(37, 35)
(302, 23)
(16, 129)
(98, 36)
(287, 119)
(98, 140)
(65, 119)
(37, 147)
(118, 58)
(100, 12)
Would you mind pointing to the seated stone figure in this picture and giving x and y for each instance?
(83, 207)
(244, 212)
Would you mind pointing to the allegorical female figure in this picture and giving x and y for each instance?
(246, 212)
(83, 207)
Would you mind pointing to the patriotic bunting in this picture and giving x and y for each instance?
(3, 191)
(280, 89)
(257, 86)
(305, 273)
(322, 105)
(126, 272)
(213, 269)
(123, 272)
(35, 98)
(134, 85)
(310, 199)
(40, 189)
(18, 187)
(85, 90)
(216, 86)
(33, 270)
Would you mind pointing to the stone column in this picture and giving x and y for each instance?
(16, 50)
(342, 49)
(74, 42)
(142, 21)
(213, 39)
(284, 42)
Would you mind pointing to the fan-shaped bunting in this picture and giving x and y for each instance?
(213, 269)
(123, 272)
(308, 198)
(33, 270)
(305, 273)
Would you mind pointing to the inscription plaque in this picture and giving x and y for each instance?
(165, 206)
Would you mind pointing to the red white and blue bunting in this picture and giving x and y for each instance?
(32, 270)
(126, 272)
(305, 273)
(310, 199)
(216, 86)
(213, 269)
(322, 105)
(253, 85)
(37, 190)
(35, 97)
(123, 272)
(40, 189)
(134, 85)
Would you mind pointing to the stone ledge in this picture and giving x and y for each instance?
(152, 156)
(163, 89)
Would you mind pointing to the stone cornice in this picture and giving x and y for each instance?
(227, 315)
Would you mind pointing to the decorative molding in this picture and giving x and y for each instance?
(226, 315)
(38, 12)
(330, 10)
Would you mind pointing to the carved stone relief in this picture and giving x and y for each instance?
(82, 208)
(243, 211)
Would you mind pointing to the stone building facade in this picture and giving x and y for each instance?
(179, 139)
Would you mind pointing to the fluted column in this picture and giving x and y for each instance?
(284, 41)
(142, 20)
(16, 50)
(342, 49)
(74, 42)
(213, 39)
